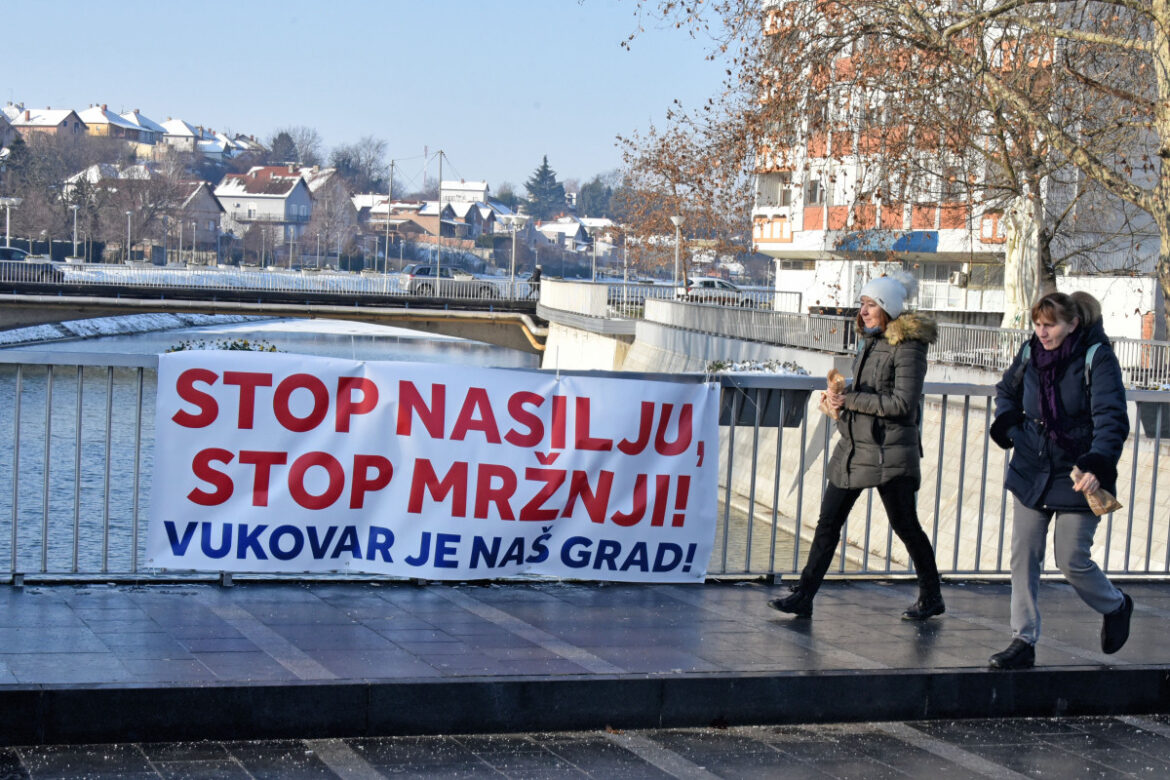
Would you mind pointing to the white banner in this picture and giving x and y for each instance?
(290, 463)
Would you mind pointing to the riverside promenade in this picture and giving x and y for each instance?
(196, 661)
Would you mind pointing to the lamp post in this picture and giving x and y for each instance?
(75, 207)
(514, 221)
(128, 213)
(8, 203)
(677, 245)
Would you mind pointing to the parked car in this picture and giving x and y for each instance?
(711, 289)
(447, 282)
(17, 265)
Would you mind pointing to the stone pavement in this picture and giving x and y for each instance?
(165, 662)
(1005, 749)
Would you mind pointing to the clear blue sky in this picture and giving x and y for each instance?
(495, 84)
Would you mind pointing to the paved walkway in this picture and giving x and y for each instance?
(100, 663)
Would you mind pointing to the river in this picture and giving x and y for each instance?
(78, 491)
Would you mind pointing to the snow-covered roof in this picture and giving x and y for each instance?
(247, 143)
(317, 177)
(429, 209)
(560, 228)
(179, 128)
(260, 181)
(102, 171)
(36, 117)
(100, 115)
(210, 146)
(143, 122)
(461, 208)
(368, 200)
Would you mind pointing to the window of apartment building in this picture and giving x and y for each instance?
(814, 192)
(774, 189)
(796, 265)
(251, 210)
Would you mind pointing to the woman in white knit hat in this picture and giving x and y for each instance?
(878, 417)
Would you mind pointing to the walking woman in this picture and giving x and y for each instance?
(880, 446)
(1061, 404)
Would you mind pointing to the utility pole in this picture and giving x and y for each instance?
(390, 197)
(439, 246)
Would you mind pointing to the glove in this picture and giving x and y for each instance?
(1001, 428)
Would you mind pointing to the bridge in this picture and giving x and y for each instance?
(493, 310)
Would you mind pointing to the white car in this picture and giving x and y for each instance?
(712, 289)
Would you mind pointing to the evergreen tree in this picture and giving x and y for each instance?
(284, 149)
(593, 200)
(546, 195)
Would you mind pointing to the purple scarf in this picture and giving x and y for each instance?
(1048, 363)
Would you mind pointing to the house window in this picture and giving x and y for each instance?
(251, 211)
(815, 192)
(774, 189)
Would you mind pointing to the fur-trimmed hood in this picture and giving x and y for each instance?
(912, 326)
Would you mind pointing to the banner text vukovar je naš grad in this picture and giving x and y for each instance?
(291, 463)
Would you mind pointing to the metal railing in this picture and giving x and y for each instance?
(1144, 363)
(77, 446)
(626, 299)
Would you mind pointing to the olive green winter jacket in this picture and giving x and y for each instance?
(879, 420)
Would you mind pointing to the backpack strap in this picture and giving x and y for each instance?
(1026, 355)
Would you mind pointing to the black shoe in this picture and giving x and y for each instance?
(1019, 655)
(1115, 627)
(797, 603)
(927, 606)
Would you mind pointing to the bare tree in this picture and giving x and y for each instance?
(363, 164)
(1060, 108)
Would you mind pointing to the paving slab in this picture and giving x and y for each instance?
(265, 660)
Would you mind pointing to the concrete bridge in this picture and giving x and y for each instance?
(500, 319)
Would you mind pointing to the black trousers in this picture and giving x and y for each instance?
(898, 496)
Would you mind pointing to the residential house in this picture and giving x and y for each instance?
(181, 135)
(149, 131)
(474, 218)
(565, 232)
(330, 191)
(101, 121)
(198, 208)
(60, 121)
(268, 195)
(335, 219)
(463, 191)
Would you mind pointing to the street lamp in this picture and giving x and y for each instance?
(8, 203)
(128, 213)
(75, 207)
(677, 244)
(514, 221)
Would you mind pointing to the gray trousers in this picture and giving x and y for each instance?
(1072, 544)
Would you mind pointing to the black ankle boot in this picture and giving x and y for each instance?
(1018, 655)
(929, 604)
(798, 602)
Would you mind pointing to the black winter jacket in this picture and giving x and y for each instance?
(1094, 415)
(879, 419)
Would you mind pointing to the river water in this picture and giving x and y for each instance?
(85, 503)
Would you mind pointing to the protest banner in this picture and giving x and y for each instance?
(289, 463)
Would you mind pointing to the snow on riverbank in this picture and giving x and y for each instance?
(112, 326)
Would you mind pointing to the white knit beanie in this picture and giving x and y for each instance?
(890, 292)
